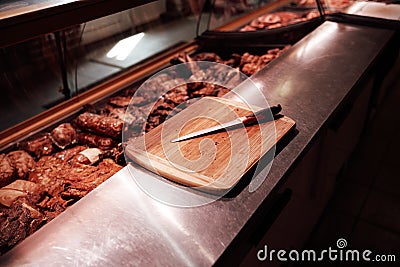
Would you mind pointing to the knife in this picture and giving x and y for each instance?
(245, 120)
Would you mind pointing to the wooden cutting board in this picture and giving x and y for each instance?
(211, 162)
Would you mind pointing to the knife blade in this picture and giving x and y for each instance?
(245, 120)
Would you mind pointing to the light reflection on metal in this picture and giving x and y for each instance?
(318, 41)
(171, 218)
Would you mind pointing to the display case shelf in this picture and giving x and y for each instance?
(22, 20)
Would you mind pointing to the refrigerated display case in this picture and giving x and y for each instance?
(87, 74)
(117, 222)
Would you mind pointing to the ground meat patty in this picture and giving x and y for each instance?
(7, 171)
(99, 124)
(63, 135)
(39, 145)
(22, 162)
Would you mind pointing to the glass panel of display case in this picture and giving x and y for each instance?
(117, 42)
(30, 79)
(40, 73)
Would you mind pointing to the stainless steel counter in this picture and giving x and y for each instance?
(119, 224)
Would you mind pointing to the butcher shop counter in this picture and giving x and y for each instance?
(120, 224)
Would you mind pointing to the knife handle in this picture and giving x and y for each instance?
(261, 114)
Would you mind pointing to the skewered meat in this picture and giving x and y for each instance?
(63, 135)
(92, 140)
(22, 162)
(99, 124)
(38, 146)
